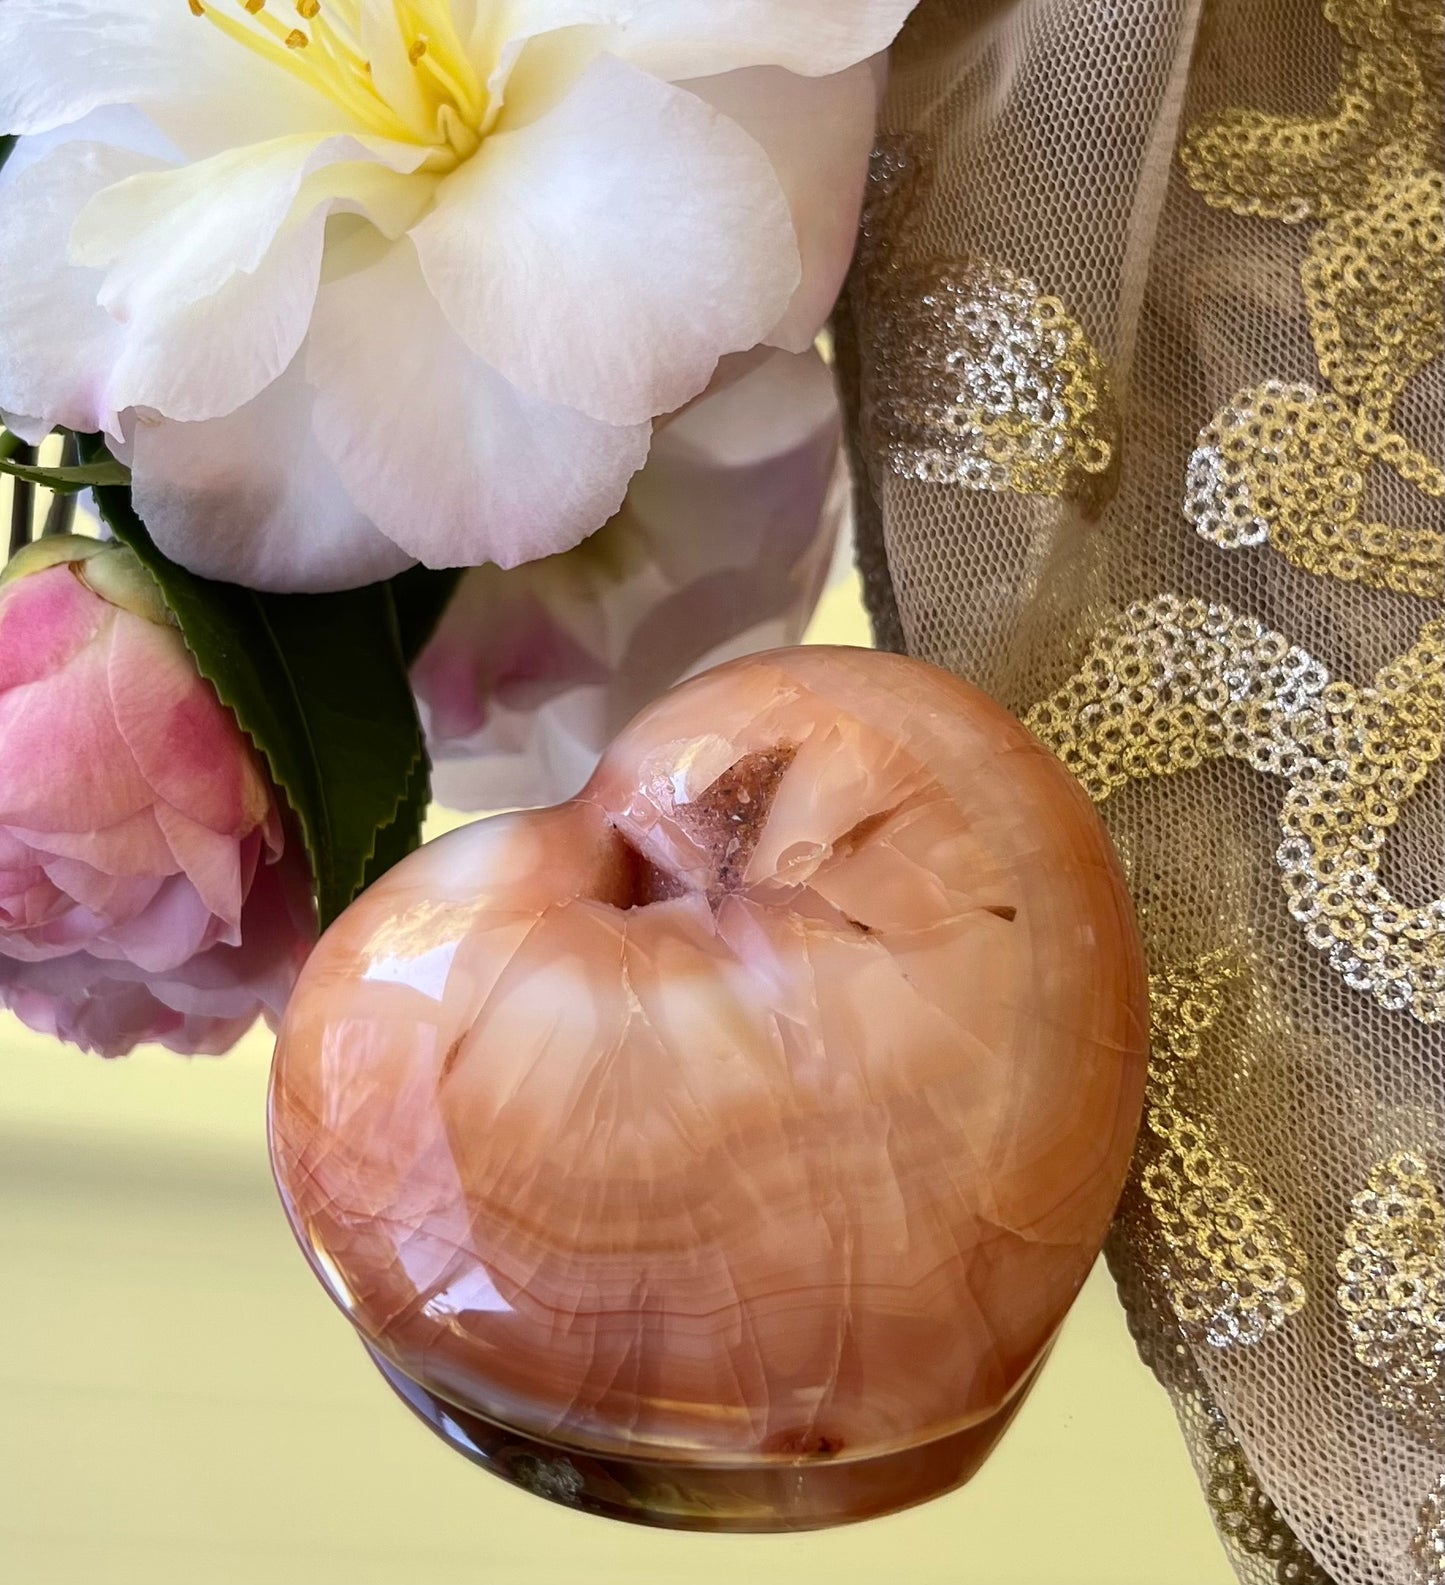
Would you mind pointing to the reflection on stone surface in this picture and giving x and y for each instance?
(693, 1494)
(762, 1110)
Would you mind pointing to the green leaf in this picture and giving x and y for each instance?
(403, 834)
(65, 481)
(421, 595)
(319, 684)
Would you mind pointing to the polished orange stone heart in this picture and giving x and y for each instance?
(725, 1147)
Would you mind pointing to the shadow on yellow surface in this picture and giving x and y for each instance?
(182, 1405)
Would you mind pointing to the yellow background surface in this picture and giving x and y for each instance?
(182, 1405)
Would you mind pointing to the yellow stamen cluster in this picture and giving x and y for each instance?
(328, 56)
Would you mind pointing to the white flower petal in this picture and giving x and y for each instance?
(446, 457)
(783, 402)
(212, 268)
(66, 57)
(252, 498)
(720, 549)
(118, 126)
(503, 26)
(607, 254)
(198, 360)
(184, 233)
(56, 343)
(737, 480)
(26, 427)
(537, 50)
(38, 234)
(188, 230)
(818, 132)
(701, 38)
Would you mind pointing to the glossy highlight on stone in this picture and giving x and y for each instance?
(724, 1148)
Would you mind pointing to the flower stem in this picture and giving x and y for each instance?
(22, 501)
(60, 518)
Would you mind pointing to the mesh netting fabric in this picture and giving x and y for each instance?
(1142, 350)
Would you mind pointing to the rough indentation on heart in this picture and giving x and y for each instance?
(728, 816)
(632, 880)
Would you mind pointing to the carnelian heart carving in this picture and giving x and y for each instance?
(762, 1109)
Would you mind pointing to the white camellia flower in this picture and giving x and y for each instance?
(355, 283)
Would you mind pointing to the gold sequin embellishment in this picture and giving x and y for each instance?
(1287, 463)
(1392, 1288)
(1384, 118)
(1244, 1512)
(1247, 1518)
(973, 376)
(1373, 279)
(1230, 1266)
(1172, 682)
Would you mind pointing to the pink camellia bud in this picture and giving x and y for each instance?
(136, 821)
(201, 1008)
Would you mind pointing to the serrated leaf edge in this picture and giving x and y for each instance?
(328, 908)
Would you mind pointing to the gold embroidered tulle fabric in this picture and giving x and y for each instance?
(1142, 350)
